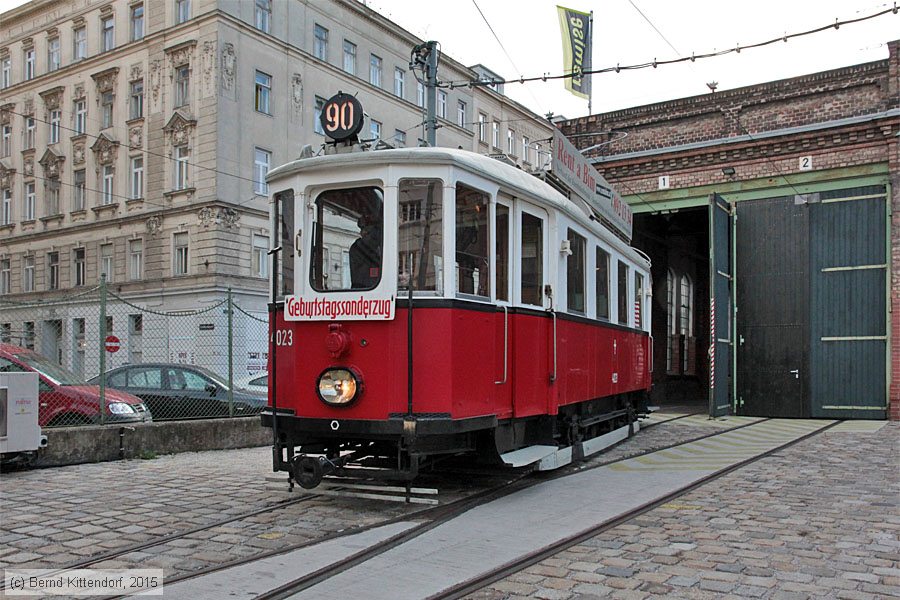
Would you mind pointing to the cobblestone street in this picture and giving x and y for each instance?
(820, 519)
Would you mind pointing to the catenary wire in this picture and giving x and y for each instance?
(655, 63)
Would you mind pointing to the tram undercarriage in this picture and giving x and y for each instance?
(399, 448)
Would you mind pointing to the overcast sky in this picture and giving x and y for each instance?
(530, 44)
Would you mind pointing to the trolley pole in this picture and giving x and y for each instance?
(425, 56)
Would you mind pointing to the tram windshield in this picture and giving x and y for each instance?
(347, 240)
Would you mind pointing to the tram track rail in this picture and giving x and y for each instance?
(435, 515)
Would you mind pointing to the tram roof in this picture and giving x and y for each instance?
(508, 177)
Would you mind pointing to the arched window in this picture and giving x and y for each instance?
(670, 317)
(685, 312)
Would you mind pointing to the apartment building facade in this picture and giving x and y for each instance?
(135, 136)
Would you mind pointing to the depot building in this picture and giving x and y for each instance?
(770, 215)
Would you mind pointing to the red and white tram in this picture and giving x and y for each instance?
(433, 302)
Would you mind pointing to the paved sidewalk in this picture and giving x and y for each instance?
(818, 520)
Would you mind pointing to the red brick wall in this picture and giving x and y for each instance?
(867, 89)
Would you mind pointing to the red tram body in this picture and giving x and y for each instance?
(534, 335)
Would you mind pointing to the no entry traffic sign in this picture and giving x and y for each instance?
(112, 343)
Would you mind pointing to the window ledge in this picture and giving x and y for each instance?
(8, 228)
(75, 214)
(56, 217)
(135, 121)
(105, 208)
(78, 137)
(134, 202)
(189, 192)
(28, 222)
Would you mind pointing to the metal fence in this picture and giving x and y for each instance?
(186, 364)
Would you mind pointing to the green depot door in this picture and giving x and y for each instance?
(848, 303)
(772, 282)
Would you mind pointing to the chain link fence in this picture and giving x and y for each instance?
(159, 365)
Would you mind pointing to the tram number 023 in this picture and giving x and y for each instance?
(342, 116)
(284, 337)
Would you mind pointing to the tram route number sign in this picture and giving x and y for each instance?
(342, 117)
(112, 344)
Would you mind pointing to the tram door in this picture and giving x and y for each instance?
(532, 350)
(504, 229)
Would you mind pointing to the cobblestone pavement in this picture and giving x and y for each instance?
(818, 520)
(51, 518)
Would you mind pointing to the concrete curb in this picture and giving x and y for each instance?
(76, 445)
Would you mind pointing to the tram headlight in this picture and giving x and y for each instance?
(338, 387)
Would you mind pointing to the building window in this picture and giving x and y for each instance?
(182, 156)
(182, 85)
(623, 293)
(53, 271)
(78, 192)
(108, 34)
(602, 283)
(106, 262)
(55, 118)
(80, 117)
(420, 94)
(399, 138)
(6, 333)
(180, 255)
(28, 340)
(137, 100)
(28, 274)
(260, 256)
(638, 299)
(261, 161)
(106, 109)
(135, 259)
(510, 142)
(30, 126)
(685, 316)
(442, 104)
(137, 22)
(575, 272)
(460, 113)
(78, 267)
(5, 280)
(495, 134)
(317, 121)
(526, 143)
(5, 72)
(182, 11)
(399, 82)
(6, 150)
(264, 15)
(263, 90)
(53, 59)
(320, 42)
(79, 44)
(29, 201)
(52, 190)
(6, 208)
(350, 57)
(375, 70)
(410, 211)
(29, 64)
(375, 129)
(107, 184)
(137, 178)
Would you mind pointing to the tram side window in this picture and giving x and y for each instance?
(602, 284)
(638, 300)
(623, 293)
(284, 205)
(472, 259)
(350, 220)
(502, 274)
(532, 259)
(575, 272)
(420, 235)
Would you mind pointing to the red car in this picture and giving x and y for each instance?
(65, 399)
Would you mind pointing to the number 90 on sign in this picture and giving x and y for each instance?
(342, 117)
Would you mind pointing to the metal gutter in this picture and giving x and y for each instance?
(894, 112)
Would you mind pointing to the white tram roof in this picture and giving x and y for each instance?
(509, 178)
